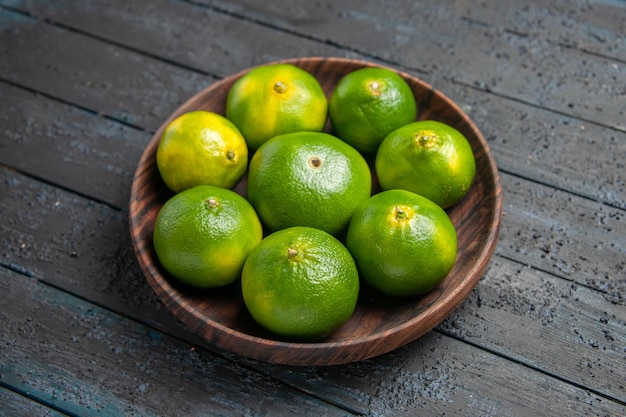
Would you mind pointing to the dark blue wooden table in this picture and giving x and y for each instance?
(84, 85)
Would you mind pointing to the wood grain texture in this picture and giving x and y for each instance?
(92, 85)
(183, 33)
(91, 155)
(124, 289)
(14, 404)
(437, 375)
(548, 290)
(534, 143)
(74, 243)
(516, 306)
(571, 237)
(121, 367)
(595, 26)
(435, 38)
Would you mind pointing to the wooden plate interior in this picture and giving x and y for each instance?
(380, 323)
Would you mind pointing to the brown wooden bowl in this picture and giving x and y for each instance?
(379, 323)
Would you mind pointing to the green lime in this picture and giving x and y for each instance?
(275, 99)
(203, 235)
(428, 158)
(307, 179)
(403, 243)
(300, 283)
(368, 104)
(201, 148)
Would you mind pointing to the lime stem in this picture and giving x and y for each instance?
(291, 253)
(315, 162)
(230, 154)
(426, 138)
(280, 87)
(211, 203)
(400, 214)
(374, 88)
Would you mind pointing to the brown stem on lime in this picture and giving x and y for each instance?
(400, 214)
(230, 154)
(315, 162)
(280, 87)
(291, 253)
(211, 203)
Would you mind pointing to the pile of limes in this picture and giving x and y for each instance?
(309, 229)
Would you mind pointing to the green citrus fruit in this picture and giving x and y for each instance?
(307, 179)
(403, 243)
(368, 104)
(429, 158)
(300, 283)
(201, 148)
(203, 235)
(276, 99)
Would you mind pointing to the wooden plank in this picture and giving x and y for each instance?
(441, 43)
(68, 146)
(516, 306)
(595, 26)
(14, 404)
(189, 34)
(569, 228)
(438, 375)
(538, 144)
(35, 248)
(53, 235)
(86, 72)
(569, 154)
(571, 237)
(396, 387)
(120, 367)
(559, 200)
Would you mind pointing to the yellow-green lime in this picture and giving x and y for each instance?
(300, 283)
(203, 235)
(275, 99)
(368, 104)
(429, 158)
(201, 148)
(403, 243)
(307, 179)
